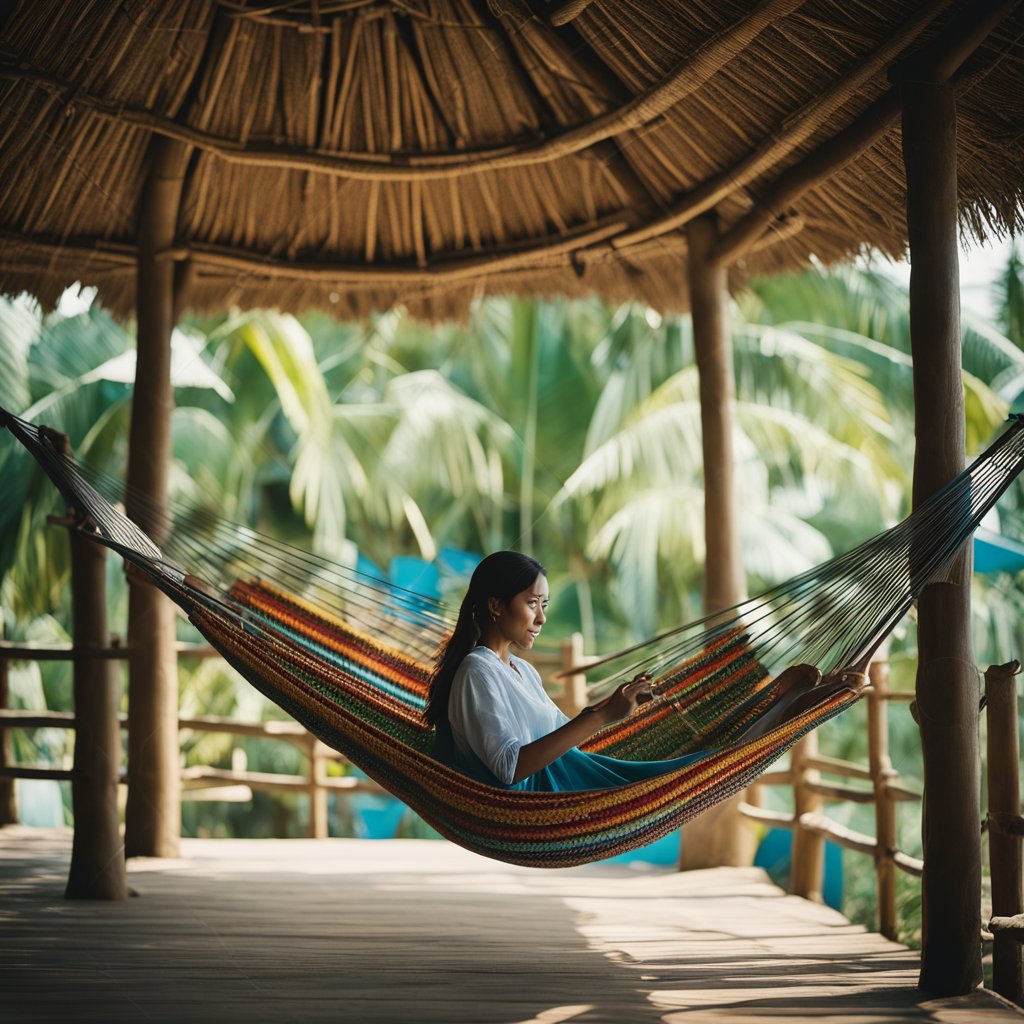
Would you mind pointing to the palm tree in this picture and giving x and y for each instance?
(1009, 296)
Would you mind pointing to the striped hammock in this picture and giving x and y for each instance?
(349, 656)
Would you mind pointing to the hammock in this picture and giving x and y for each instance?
(349, 656)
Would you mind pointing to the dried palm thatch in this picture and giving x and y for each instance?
(350, 154)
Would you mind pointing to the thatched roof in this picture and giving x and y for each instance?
(353, 153)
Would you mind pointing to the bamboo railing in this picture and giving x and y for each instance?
(879, 784)
(811, 826)
(1004, 823)
(314, 781)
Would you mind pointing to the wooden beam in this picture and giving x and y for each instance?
(797, 128)
(530, 253)
(115, 652)
(1012, 928)
(559, 248)
(830, 791)
(792, 183)
(777, 819)
(908, 865)
(947, 680)
(153, 813)
(837, 766)
(18, 771)
(568, 10)
(824, 828)
(723, 838)
(938, 62)
(683, 79)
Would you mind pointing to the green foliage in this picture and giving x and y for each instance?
(1009, 296)
(565, 428)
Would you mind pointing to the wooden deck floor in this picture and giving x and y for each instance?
(422, 932)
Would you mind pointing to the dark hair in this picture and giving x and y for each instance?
(502, 574)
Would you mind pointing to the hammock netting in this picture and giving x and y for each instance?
(349, 656)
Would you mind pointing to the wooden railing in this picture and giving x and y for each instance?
(811, 827)
(1005, 825)
(314, 781)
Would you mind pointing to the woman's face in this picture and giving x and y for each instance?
(521, 617)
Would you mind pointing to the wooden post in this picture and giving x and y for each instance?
(97, 853)
(318, 818)
(882, 774)
(807, 864)
(947, 682)
(724, 583)
(721, 836)
(153, 815)
(574, 698)
(1004, 848)
(8, 787)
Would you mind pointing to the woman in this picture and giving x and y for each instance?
(495, 722)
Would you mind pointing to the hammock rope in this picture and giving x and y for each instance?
(349, 656)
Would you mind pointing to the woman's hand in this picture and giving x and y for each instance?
(540, 753)
(623, 702)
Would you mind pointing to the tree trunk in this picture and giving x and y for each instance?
(153, 815)
(721, 836)
(947, 679)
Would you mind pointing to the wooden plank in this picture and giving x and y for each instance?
(845, 837)
(778, 819)
(382, 932)
(12, 651)
(1011, 927)
(837, 766)
(25, 771)
(277, 782)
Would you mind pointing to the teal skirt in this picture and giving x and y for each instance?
(578, 770)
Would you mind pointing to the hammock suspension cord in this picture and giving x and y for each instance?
(348, 656)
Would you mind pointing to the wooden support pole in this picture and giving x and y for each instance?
(153, 815)
(882, 774)
(8, 790)
(722, 836)
(1004, 848)
(318, 809)
(947, 680)
(807, 864)
(709, 305)
(97, 853)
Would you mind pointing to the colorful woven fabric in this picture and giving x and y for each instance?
(344, 662)
(343, 705)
